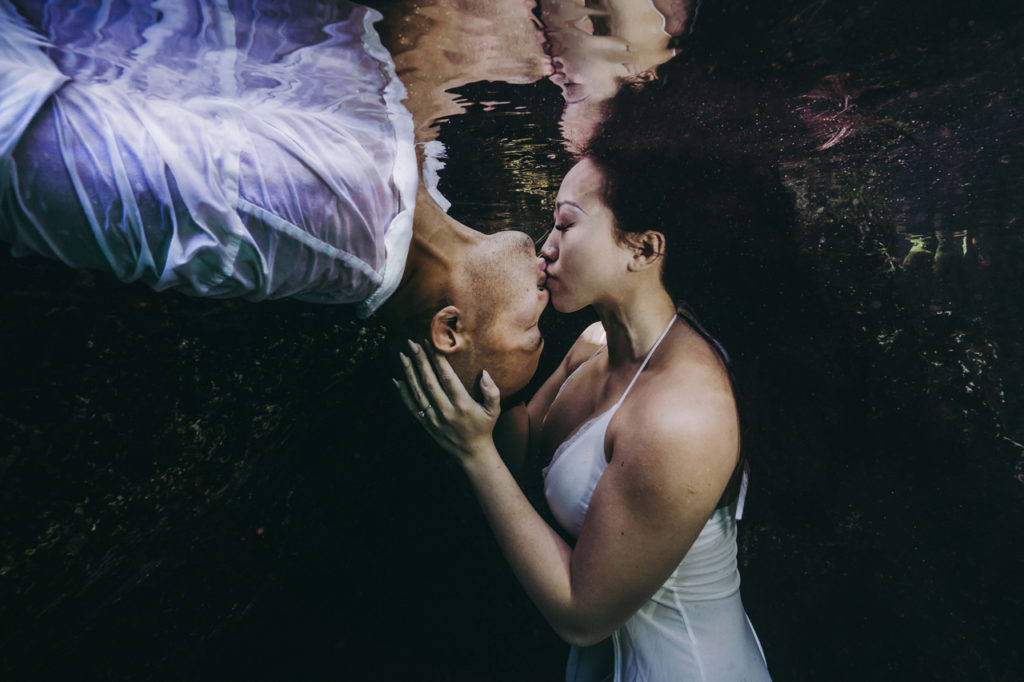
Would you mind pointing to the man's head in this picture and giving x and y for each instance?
(489, 320)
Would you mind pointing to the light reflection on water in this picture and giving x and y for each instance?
(912, 218)
(897, 207)
(594, 48)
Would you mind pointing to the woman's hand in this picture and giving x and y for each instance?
(436, 397)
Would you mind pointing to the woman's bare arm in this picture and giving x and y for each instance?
(670, 463)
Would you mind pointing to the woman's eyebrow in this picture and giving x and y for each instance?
(559, 204)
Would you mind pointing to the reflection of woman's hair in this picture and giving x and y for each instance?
(692, 157)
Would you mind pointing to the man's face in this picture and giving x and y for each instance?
(504, 304)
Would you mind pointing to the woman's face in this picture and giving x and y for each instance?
(585, 263)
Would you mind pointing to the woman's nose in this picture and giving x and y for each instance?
(549, 250)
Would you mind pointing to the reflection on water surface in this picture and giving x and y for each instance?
(224, 489)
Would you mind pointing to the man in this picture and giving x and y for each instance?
(254, 152)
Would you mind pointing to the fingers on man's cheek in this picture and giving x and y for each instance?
(423, 370)
(410, 374)
(438, 369)
(411, 366)
(403, 392)
(414, 384)
(447, 375)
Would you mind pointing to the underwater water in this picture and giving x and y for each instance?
(216, 489)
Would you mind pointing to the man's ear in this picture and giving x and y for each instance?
(447, 332)
(648, 248)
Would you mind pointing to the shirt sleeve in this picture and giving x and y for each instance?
(248, 152)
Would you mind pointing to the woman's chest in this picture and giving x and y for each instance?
(586, 395)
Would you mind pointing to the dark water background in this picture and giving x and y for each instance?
(218, 490)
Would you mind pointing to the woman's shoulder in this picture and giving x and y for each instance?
(691, 365)
(675, 453)
(686, 397)
(587, 345)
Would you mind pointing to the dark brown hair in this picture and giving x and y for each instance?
(695, 157)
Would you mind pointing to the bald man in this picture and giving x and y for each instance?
(256, 153)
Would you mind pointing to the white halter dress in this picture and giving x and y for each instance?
(694, 627)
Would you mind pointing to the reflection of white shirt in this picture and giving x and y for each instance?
(220, 153)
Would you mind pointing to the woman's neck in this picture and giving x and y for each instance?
(634, 323)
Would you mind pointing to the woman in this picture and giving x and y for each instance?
(640, 419)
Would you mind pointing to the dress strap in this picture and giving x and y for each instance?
(741, 496)
(644, 363)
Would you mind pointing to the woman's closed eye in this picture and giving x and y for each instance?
(560, 227)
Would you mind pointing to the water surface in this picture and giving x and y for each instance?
(218, 489)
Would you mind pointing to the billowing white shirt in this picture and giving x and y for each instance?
(254, 148)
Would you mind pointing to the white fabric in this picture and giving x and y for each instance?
(253, 148)
(694, 627)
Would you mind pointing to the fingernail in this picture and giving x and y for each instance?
(486, 378)
(403, 356)
(414, 346)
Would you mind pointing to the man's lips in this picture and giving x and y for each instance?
(543, 297)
